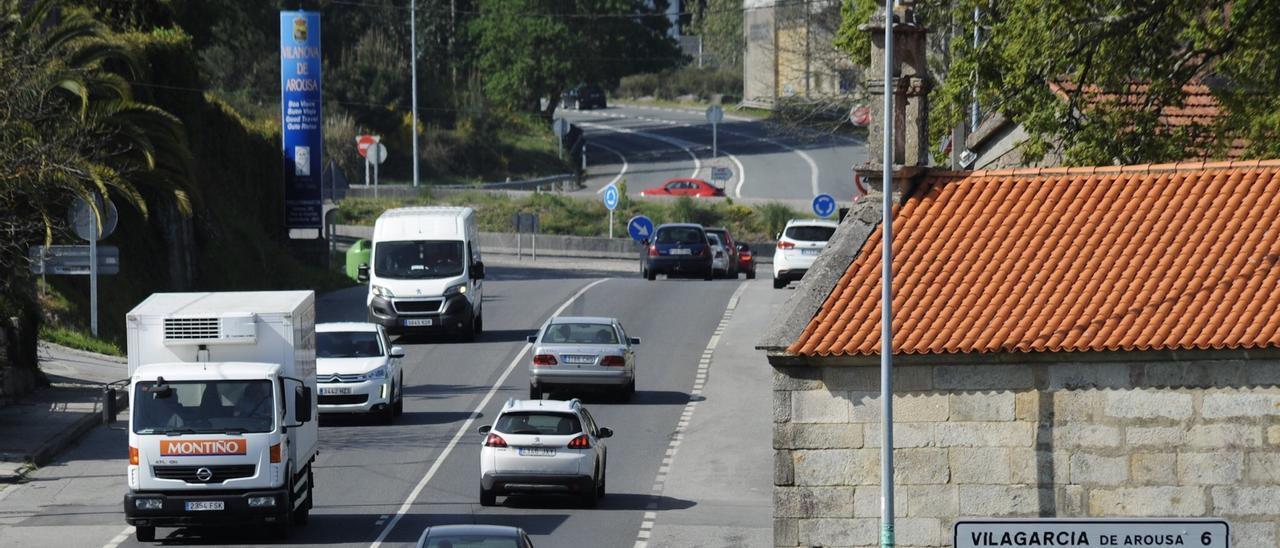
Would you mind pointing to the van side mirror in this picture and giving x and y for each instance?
(477, 270)
(362, 273)
(635, 340)
(485, 429)
(302, 403)
(397, 352)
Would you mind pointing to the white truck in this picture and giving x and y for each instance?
(222, 422)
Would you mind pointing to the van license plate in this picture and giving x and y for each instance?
(537, 452)
(810, 251)
(335, 390)
(418, 323)
(200, 506)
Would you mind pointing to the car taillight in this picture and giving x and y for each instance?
(705, 251)
(544, 359)
(783, 244)
(580, 442)
(133, 455)
(613, 361)
(495, 440)
(653, 250)
(745, 255)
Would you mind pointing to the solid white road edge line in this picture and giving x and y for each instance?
(466, 425)
(697, 164)
(622, 172)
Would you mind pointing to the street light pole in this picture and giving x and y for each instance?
(886, 295)
(413, 64)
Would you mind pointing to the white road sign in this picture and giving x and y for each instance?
(715, 114)
(1070, 533)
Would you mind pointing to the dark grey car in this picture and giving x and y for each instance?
(464, 536)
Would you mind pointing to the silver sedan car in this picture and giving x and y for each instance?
(575, 352)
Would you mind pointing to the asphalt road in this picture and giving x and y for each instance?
(768, 161)
(388, 482)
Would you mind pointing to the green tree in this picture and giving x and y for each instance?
(527, 50)
(1106, 46)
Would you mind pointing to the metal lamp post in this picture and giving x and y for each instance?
(886, 295)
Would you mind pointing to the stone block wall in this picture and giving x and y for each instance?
(1113, 439)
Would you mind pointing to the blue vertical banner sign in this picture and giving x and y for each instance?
(302, 125)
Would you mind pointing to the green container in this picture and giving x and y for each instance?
(357, 255)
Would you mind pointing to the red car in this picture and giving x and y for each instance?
(684, 187)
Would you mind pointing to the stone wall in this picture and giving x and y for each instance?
(1106, 439)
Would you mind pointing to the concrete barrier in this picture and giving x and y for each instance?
(551, 245)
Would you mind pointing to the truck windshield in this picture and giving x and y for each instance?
(416, 260)
(347, 344)
(204, 407)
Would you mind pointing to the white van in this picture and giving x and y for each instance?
(426, 273)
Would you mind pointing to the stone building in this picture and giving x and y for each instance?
(1068, 342)
(790, 53)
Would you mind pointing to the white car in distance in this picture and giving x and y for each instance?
(358, 371)
(799, 245)
(544, 446)
(719, 255)
(575, 352)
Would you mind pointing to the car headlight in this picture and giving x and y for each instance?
(376, 374)
(381, 291)
(456, 290)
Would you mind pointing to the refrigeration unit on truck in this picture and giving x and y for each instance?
(222, 423)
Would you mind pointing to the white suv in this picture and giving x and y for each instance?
(799, 245)
(540, 446)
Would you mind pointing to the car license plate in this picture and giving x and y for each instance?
(334, 390)
(679, 251)
(204, 505)
(418, 323)
(810, 251)
(578, 359)
(537, 452)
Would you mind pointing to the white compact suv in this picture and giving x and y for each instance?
(537, 446)
(799, 245)
(358, 371)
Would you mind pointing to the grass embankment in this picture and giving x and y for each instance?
(80, 340)
(565, 215)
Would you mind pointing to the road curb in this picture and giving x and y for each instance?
(54, 446)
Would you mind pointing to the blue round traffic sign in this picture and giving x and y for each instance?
(640, 228)
(611, 197)
(824, 205)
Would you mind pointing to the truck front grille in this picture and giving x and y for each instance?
(417, 307)
(190, 474)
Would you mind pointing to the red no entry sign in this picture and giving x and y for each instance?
(363, 142)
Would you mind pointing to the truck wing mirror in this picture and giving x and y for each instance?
(362, 273)
(302, 403)
(477, 270)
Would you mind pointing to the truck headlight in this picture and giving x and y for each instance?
(148, 504)
(262, 502)
(377, 374)
(381, 291)
(459, 289)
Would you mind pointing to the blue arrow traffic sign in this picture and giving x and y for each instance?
(611, 197)
(640, 228)
(824, 205)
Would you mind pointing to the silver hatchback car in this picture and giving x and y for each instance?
(574, 352)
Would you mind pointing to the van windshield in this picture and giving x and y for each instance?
(204, 407)
(418, 260)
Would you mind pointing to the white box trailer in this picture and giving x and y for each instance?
(223, 421)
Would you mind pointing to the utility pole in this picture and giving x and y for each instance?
(886, 295)
(413, 49)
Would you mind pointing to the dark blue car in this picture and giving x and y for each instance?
(677, 250)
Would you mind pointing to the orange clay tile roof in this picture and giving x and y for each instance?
(1154, 257)
(1199, 108)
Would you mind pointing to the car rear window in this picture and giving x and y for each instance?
(810, 233)
(471, 541)
(580, 333)
(539, 423)
(680, 235)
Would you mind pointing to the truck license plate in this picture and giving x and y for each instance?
(199, 506)
(335, 390)
(537, 452)
(417, 323)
